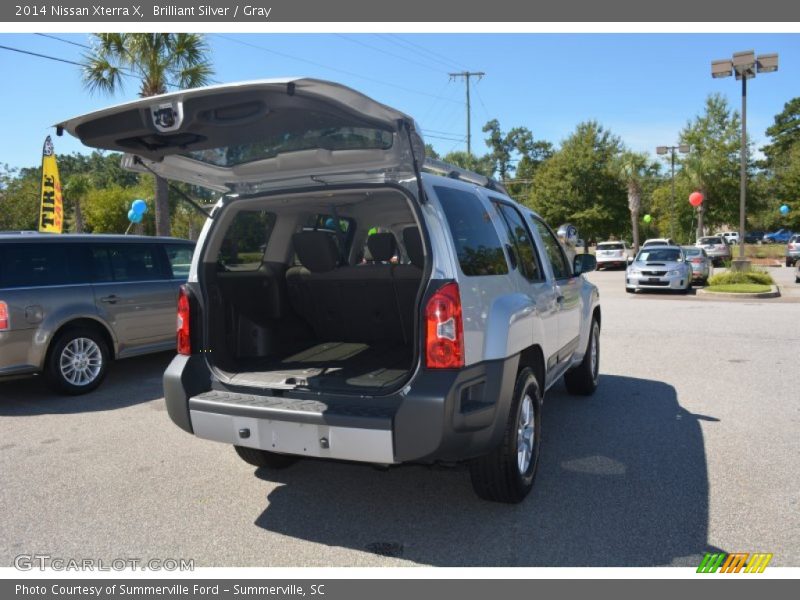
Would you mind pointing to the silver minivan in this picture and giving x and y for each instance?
(69, 304)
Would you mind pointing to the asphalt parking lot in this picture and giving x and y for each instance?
(689, 445)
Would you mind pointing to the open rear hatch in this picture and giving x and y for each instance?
(255, 136)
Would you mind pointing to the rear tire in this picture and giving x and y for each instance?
(262, 458)
(582, 380)
(77, 361)
(506, 474)
(789, 262)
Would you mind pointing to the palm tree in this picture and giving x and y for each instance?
(633, 168)
(159, 60)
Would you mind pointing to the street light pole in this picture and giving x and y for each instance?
(683, 149)
(743, 172)
(744, 65)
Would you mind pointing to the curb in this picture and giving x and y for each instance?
(773, 293)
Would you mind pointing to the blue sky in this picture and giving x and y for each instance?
(643, 87)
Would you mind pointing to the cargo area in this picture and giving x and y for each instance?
(315, 292)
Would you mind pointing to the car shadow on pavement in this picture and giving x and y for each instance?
(622, 482)
(128, 382)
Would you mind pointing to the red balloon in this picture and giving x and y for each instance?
(695, 199)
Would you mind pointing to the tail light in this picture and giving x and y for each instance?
(3, 316)
(184, 345)
(444, 339)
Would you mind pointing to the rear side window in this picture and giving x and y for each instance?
(43, 264)
(561, 269)
(246, 240)
(521, 238)
(126, 262)
(476, 241)
(180, 259)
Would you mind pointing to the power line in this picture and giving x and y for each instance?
(407, 48)
(126, 71)
(320, 65)
(63, 60)
(480, 99)
(441, 137)
(442, 58)
(442, 132)
(60, 39)
(371, 47)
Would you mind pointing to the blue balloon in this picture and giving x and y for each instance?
(784, 210)
(139, 206)
(134, 217)
(330, 223)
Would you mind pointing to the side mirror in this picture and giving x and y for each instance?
(584, 263)
(630, 259)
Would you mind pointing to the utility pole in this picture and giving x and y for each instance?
(466, 75)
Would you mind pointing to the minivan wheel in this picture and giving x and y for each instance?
(262, 458)
(582, 380)
(77, 361)
(506, 474)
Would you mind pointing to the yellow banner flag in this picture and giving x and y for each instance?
(51, 211)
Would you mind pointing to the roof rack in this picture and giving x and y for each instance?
(439, 167)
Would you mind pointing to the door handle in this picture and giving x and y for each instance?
(112, 299)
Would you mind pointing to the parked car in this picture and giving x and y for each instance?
(716, 248)
(793, 250)
(730, 237)
(781, 236)
(611, 254)
(753, 237)
(702, 267)
(659, 268)
(659, 242)
(70, 304)
(306, 352)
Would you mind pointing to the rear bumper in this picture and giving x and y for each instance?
(438, 416)
(612, 262)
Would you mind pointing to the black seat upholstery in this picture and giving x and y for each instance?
(349, 304)
(312, 288)
(381, 246)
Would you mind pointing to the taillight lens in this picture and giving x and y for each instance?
(444, 339)
(184, 345)
(3, 316)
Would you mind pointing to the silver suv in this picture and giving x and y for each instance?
(69, 304)
(350, 300)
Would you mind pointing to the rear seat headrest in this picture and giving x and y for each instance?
(413, 243)
(381, 246)
(316, 250)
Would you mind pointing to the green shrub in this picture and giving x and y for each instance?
(732, 277)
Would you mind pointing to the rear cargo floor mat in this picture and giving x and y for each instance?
(331, 366)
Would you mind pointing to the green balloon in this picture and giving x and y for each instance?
(647, 218)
